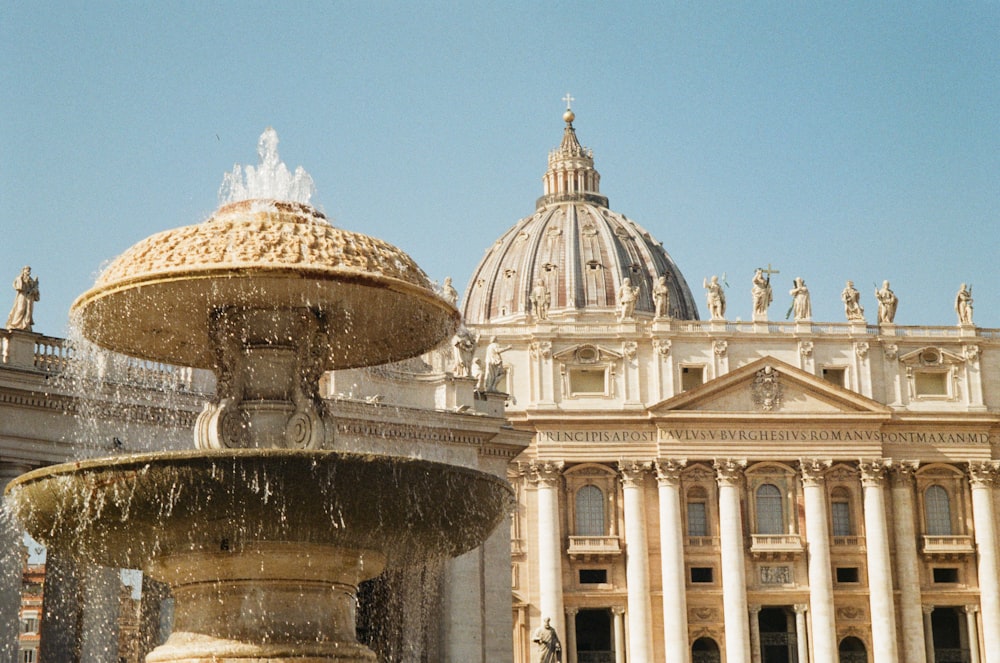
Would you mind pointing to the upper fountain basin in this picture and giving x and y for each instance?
(156, 300)
(125, 511)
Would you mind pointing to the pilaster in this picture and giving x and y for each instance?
(880, 594)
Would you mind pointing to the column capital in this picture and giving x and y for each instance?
(813, 469)
(970, 609)
(545, 473)
(754, 608)
(729, 471)
(634, 472)
(902, 471)
(572, 612)
(618, 610)
(872, 471)
(983, 473)
(801, 608)
(668, 470)
(927, 609)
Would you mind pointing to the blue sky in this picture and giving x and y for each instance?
(833, 140)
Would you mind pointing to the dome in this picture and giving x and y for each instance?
(579, 249)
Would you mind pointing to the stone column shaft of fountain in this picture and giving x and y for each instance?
(268, 366)
(262, 532)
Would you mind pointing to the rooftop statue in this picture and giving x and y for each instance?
(963, 305)
(761, 293)
(661, 298)
(852, 303)
(21, 314)
(627, 295)
(801, 304)
(887, 303)
(716, 298)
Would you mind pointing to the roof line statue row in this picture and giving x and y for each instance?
(575, 255)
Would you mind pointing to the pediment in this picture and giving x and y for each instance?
(769, 386)
(586, 353)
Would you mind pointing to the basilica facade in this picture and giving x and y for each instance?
(716, 490)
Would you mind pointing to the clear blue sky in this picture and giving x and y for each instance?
(833, 140)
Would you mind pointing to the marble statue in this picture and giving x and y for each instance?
(661, 298)
(627, 295)
(762, 294)
(963, 305)
(494, 364)
(801, 305)
(463, 345)
(716, 298)
(549, 647)
(21, 314)
(478, 374)
(448, 292)
(887, 303)
(540, 300)
(852, 303)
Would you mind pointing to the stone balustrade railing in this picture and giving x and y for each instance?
(51, 356)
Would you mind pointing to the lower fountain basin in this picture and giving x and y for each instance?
(126, 511)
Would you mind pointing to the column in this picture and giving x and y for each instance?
(801, 634)
(755, 653)
(880, 596)
(824, 632)
(928, 632)
(640, 613)
(734, 576)
(462, 604)
(101, 609)
(11, 569)
(907, 563)
(619, 616)
(61, 609)
(571, 635)
(982, 476)
(547, 476)
(675, 627)
(970, 624)
(151, 629)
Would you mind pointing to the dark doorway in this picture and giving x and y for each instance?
(705, 650)
(948, 627)
(777, 636)
(594, 636)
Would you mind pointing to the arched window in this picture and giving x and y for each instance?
(840, 512)
(938, 511)
(590, 511)
(852, 650)
(770, 519)
(705, 650)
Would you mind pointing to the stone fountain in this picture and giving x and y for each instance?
(264, 530)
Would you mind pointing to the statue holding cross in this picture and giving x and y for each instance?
(761, 292)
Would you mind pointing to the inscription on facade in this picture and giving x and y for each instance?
(597, 436)
(823, 435)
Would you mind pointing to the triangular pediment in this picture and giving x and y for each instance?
(769, 386)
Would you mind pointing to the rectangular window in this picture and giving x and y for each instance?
(836, 375)
(593, 576)
(945, 574)
(587, 380)
(697, 519)
(847, 574)
(691, 377)
(701, 574)
(840, 515)
(929, 383)
(27, 656)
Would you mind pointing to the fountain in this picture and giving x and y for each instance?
(264, 530)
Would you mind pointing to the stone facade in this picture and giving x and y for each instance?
(750, 492)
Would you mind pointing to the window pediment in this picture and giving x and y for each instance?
(586, 354)
(930, 356)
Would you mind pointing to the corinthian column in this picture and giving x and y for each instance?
(547, 477)
(734, 576)
(640, 618)
(880, 594)
(982, 476)
(907, 563)
(675, 637)
(824, 632)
